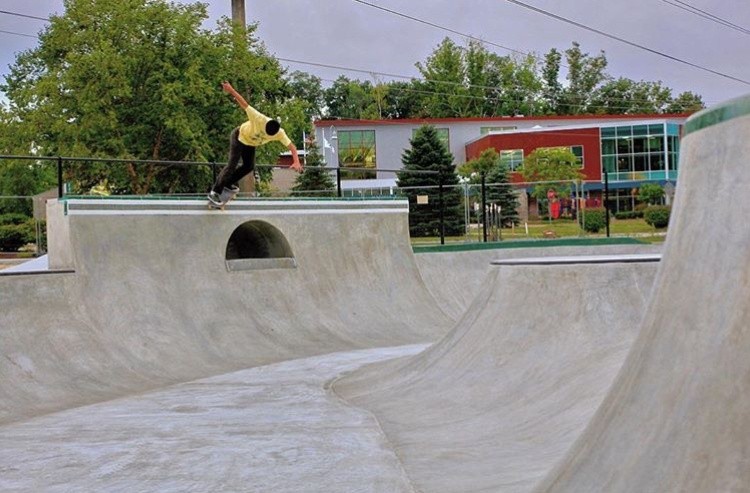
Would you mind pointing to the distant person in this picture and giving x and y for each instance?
(256, 131)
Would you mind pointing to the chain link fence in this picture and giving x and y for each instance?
(440, 211)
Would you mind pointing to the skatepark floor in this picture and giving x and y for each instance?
(271, 428)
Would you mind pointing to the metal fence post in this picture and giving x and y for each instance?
(338, 182)
(441, 198)
(59, 177)
(606, 200)
(484, 207)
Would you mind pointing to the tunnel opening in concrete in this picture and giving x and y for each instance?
(255, 245)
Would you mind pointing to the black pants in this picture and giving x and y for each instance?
(231, 174)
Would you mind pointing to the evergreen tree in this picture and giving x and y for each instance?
(428, 153)
(498, 188)
(316, 177)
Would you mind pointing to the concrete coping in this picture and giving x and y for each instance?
(581, 259)
(35, 272)
(145, 206)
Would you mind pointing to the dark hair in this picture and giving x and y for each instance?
(272, 127)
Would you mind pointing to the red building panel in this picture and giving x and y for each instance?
(588, 138)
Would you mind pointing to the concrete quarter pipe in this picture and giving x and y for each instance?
(678, 417)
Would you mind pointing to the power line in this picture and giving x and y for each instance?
(18, 34)
(625, 41)
(706, 15)
(432, 24)
(18, 14)
(495, 99)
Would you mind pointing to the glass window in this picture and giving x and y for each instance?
(624, 146)
(625, 131)
(656, 144)
(608, 146)
(624, 163)
(443, 136)
(640, 144)
(640, 162)
(657, 129)
(357, 150)
(657, 162)
(512, 158)
(609, 163)
(578, 151)
(640, 130)
(673, 129)
(608, 132)
(673, 144)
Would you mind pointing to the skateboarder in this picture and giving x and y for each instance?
(256, 131)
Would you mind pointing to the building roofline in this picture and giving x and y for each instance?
(495, 119)
(565, 128)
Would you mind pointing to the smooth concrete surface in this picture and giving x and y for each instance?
(275, 429)
(677, 418)
(498, 401)
(455, 278)
(151, 302)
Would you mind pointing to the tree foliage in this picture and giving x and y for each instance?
(428, 153)
(498, 189)
(551, 164)
(316, 177)
(137, 79)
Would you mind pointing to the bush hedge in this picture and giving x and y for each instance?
(657, 216)
(14, 236)
(628, 214)
(594, 220)
(13, 218)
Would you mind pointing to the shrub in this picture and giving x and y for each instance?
(628, 214)
(14, 236)
(594, 219)
(13, 218)
(657, 216)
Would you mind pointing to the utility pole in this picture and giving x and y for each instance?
(238, 12)
(247, 184)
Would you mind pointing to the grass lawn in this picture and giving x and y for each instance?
(560, 228)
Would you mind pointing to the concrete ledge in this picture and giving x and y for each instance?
(582, 259)
(245, 264)
(185, 206)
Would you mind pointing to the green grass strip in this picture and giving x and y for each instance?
(467, 247)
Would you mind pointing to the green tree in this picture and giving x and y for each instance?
(348, 98)
(651, 193)
(137, 79)
(445, 74)
(498, 188)
(685, 102)
(552, 89)
(585, 73)
(428, 153)
(551, 164)
(316, 177)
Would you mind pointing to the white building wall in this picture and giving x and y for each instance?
(392, 137)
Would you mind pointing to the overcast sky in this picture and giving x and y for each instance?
(350, 34)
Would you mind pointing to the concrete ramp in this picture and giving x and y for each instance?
(146, 293)
(678, 417)
(498, 401)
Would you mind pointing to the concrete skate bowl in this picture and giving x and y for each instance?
(676, 417)
(455, 277)
(144, 298)
(494, 404)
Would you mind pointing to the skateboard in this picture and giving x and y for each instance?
(226, 196)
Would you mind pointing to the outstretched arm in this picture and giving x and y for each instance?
(237, 96)
(296, 165)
